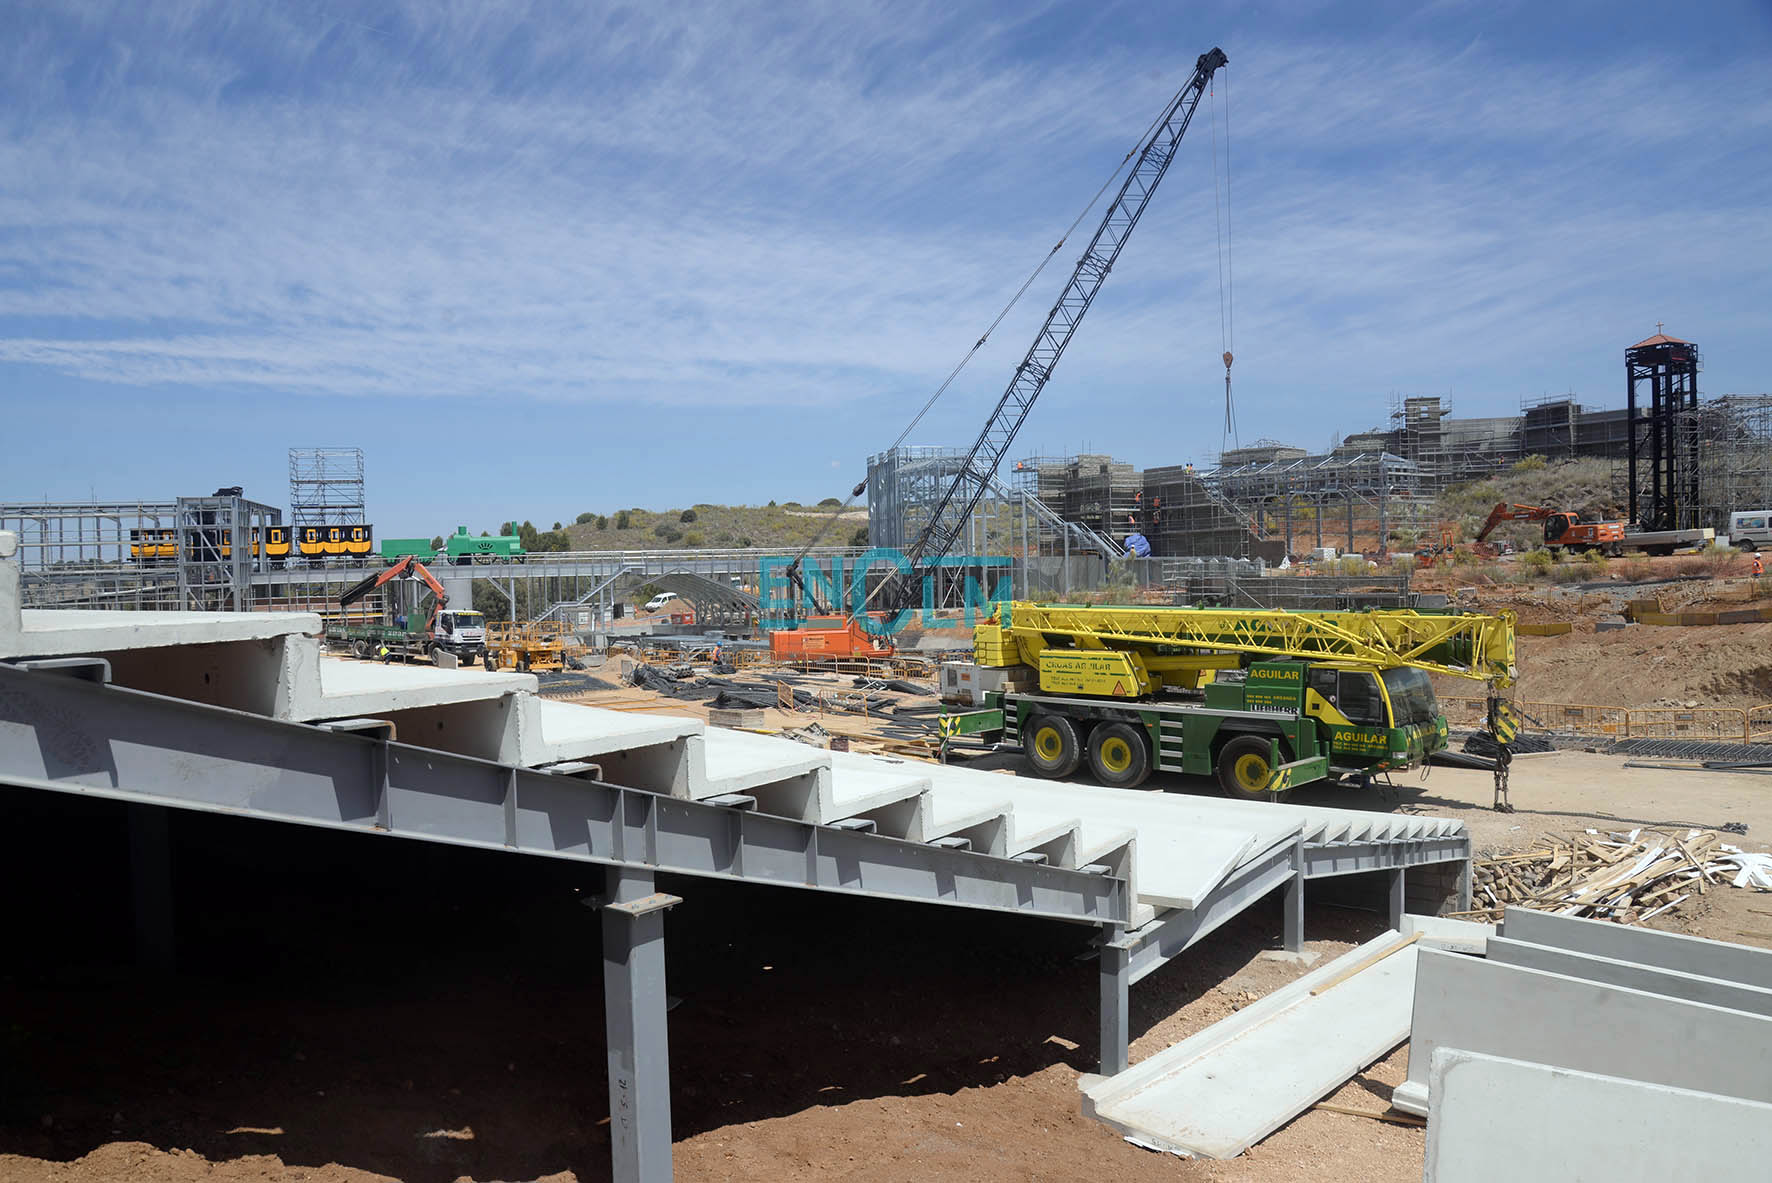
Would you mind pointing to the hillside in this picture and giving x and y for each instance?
(1584, 486)
(766, 527)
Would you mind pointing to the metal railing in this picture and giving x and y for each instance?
(1714, 724)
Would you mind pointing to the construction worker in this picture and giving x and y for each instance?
(382, 651)
(1759, 567)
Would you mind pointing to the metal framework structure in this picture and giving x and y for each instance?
(326, 487)
(983, 460)
(1663, 476)
(78, 555)
(215, 560)
(65, 729)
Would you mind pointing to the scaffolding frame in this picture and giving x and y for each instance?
(326, 487)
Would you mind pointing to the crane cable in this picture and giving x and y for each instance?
(928, 406)
(1227, 322)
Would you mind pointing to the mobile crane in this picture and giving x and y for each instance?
(1265, 699)
(969, 484)
(410, 633)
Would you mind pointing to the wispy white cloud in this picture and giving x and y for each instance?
(783, 206)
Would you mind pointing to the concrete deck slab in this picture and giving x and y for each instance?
(1694, 955)
(361, 688)
(1495, 1118)
(55, 632)
(1224, 1089)
(1475, 1004)
(553, 731)
(739, 760)
(863, 786)
(1186, 846)
(1651, 978)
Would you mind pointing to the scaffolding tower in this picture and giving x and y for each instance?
(1664, 435)
(326, 487)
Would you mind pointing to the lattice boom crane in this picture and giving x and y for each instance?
(969, 485)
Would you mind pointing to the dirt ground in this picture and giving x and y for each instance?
(350, 1010)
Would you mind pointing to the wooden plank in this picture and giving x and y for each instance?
(1364, 963)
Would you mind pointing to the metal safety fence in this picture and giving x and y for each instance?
(1709, 724)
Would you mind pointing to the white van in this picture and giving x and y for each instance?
(659, 601)
(1750, 529)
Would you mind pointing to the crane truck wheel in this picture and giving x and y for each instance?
(1119, 755)
(1052, 746)
(1243, 767)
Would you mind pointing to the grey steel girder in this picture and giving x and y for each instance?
(70, 735)
(1325, 859)
(1154, 945)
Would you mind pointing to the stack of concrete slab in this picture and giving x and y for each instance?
(1219, 1092)
(1174, 851)
(1581, 1048)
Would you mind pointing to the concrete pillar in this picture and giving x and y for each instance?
(1397, 898)
(150, 867)
(638, 1044)
(1116, 1002)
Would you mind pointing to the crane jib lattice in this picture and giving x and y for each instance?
(948, 520)
(1479, 647)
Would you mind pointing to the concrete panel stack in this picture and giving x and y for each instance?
(1658, 1039)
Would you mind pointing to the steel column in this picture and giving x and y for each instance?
(1116, 1001)
(1292, 931)
(150, 867)
(637, 1033)
(1397, 905)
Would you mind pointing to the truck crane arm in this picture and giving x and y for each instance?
(406, 566)
(969, 485)
(1480, 648)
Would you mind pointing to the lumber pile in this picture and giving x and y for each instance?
(1627, 877)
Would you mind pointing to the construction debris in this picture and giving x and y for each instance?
(1625, 877)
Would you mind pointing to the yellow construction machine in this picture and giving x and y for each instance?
(1264, 698)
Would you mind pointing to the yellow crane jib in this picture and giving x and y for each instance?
(1130, 651)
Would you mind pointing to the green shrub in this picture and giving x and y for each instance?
(602, 522)
(1593, 558)
(1537, 561)
(1571, 573)
(622, 520)
(1528, 464)
(686, 516)
(667, 532)
(828, 502)
(584, 519)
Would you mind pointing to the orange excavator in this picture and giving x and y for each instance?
(1561, 528)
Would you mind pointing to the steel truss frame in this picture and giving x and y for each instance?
(64, 728)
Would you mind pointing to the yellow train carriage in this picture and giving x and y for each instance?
(153, 542)
(336, 541)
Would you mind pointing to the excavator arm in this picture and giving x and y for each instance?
(1503, 512)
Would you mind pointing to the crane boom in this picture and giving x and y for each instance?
(969, 485)
(1466, 646)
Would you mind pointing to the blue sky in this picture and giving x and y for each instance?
(540, 258)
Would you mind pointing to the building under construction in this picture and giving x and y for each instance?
(1678, 460)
